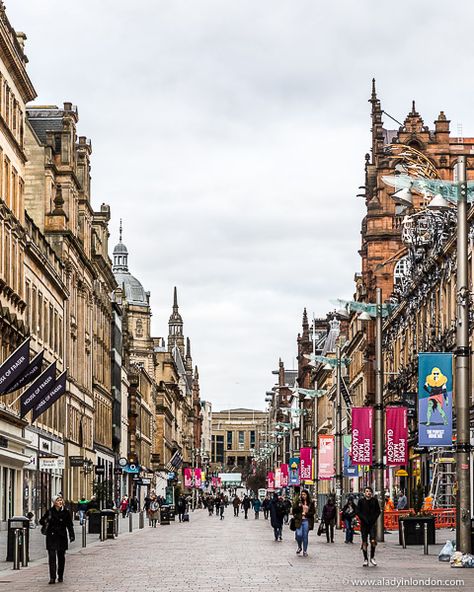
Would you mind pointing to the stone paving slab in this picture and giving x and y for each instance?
(234, 555)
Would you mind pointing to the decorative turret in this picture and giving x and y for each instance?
(189, 359)
(120, 254)
(175, 324)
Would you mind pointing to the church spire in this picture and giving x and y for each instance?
(189, 359)
(175, 324)
(377, 124)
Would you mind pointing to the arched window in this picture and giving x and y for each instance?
(401, 271)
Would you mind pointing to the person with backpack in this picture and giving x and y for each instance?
(257, 504)
(154, 511)
(277, 511)
(329, 518)
(368, 511)
(303, 513)
(348, 516)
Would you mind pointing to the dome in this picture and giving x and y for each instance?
(120, 249)
(134, 291)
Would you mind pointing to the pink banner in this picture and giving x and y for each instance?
(285, 475)
(188, 477)
(277, 478)
(270, 481)
(326, 457)
(214, 481)
(197, 478)
(306, 464)
(362, 435)
(396, 435)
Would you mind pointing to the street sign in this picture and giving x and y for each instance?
(145, 481)
(99, 470)
(76, 461)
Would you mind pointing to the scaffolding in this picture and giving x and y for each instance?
(443, 489)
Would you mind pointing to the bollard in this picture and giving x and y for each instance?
(16, 549)
(24, 550)
(425, 539)
(117, 525)
(130, 522)
(103, 528)
(402, 524)
(84, 533)
(141, 519)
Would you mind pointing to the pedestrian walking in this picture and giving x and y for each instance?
(124, 506)
(218, 505)
(287, 504)
(82, 507)
(246, 505)
(329, 518)
(303, 514)
(266, 507)
(221, 508)
(181, 507)
(368, 510)
(236, 504)
(277, 511)
(348, 516)
(57, 525)
(402, 502)
(257, 504)
(154, 511)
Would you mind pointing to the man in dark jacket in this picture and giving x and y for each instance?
(277, 511)
(368, 510)
(246, 503)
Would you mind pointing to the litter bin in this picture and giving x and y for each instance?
(94, 522)
(414, 530)
(172, 513)
(110, 521)
(165, 515)
(18, 522)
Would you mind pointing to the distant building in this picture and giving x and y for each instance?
(235, 433)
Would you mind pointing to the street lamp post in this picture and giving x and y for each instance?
(463, 350)
(378, 412)
(338, 439)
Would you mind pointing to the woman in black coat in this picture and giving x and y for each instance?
(58, 524)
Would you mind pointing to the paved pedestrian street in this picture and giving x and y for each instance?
(235, 555)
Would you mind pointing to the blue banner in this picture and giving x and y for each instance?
(350, 470)
(435, 399)
(294, 471)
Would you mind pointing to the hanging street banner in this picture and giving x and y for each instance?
(277, 478)
(14, 366)
(362, 435)
(188, 477)
(214, 481)
(326, 457)
(350, 470)
(294, 469)
(197, 478)
(47, 400)
(270, 481)
(306, 465)
(435, 399)
(285, 475)
(31, 372)
(39, 388)
(396, 435)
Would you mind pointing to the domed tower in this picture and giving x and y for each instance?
(175, 333)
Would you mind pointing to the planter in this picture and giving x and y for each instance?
(413, 526)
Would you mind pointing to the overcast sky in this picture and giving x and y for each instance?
(230, 137)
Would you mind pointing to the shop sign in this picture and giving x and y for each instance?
(76, 461)
(99, 470)
(49, 463)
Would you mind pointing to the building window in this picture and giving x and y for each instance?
(401, 271)
(241, 440)
(229, 440)
(252, 438)
(217, 449)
